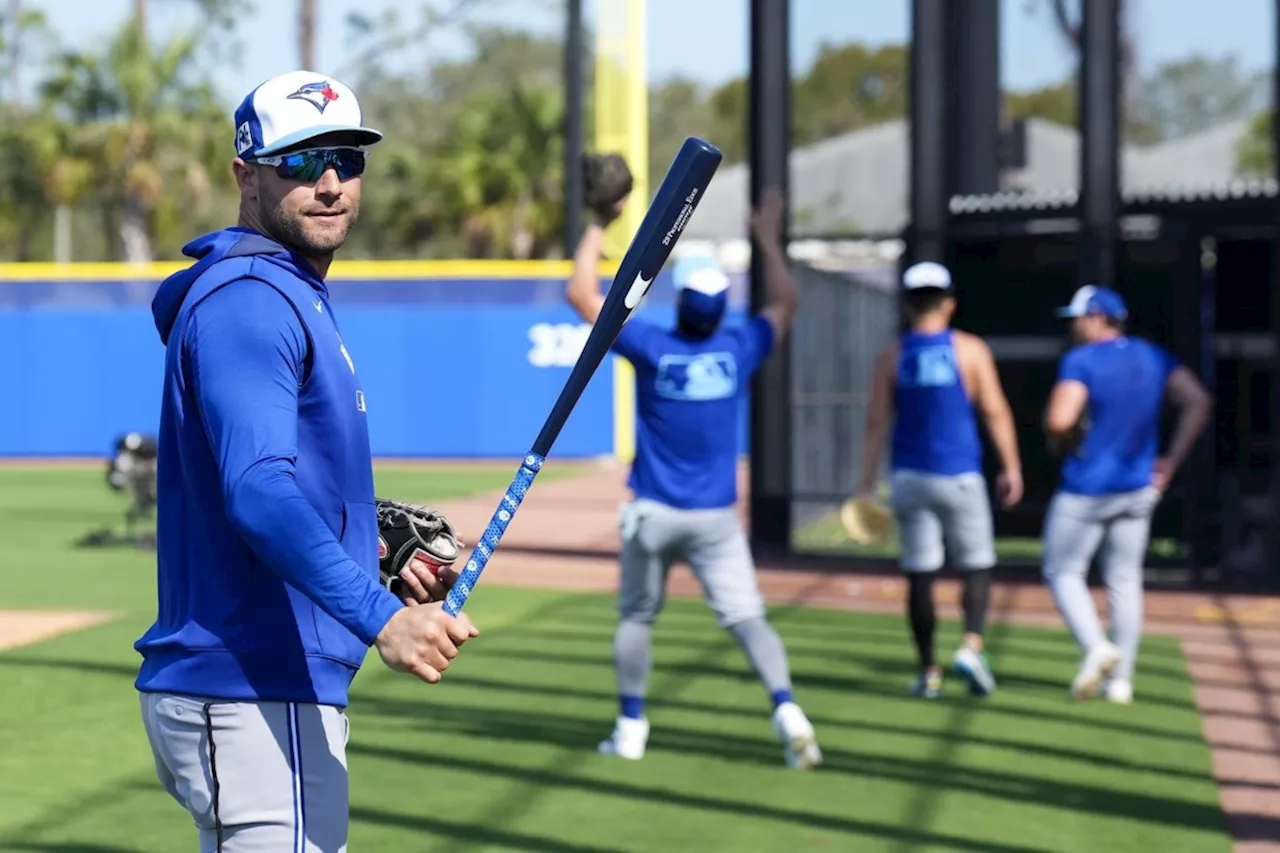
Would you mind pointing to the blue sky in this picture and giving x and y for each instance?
(707, 39)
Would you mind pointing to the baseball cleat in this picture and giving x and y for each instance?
(928, 685)
(1094, 669)
(975, 668)
(628, 739)
(799, 742)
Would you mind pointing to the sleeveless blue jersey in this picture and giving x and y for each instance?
(934, 430)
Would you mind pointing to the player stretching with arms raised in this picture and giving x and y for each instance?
(689, 384)
(930, 382)
(1108, 396)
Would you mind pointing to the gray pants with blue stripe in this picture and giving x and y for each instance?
(1116, 528)
(254, 776)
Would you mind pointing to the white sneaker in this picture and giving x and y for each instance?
(1094, 669)
(799, 743)
(628, 739)
(976, 669)
(1118, 690)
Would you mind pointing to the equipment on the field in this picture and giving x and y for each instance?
(865, 521)
(407, 531)
(678, 196)
(130, 471)
(606, 180)
(1070, 442)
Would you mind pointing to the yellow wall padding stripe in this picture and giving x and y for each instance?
(622, 125)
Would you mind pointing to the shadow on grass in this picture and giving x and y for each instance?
(801, 678)
(63, 847)
(557, 729)
(937, 773)
(471, 834)
(537, 779)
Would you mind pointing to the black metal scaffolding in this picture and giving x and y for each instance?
(926, 233)
(973, 96)
(1099, 87)
(769, 141)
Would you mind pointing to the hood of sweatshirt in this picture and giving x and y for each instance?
(208, 249)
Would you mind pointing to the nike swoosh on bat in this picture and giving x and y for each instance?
(639, 288)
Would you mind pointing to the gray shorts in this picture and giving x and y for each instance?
(941, 517)
(253, 775)
(712, 543)
(1116, 527)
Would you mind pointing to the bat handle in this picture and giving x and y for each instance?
(488, 543)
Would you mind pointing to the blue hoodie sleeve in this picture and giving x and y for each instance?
(246, 351)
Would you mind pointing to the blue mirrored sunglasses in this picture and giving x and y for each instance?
(310, 165)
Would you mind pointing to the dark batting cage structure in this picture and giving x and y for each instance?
(1198, 268)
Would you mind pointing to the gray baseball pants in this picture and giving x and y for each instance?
(254, 776)
(714, 545)
(1076, 527)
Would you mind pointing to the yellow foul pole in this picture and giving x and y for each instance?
(622, 125)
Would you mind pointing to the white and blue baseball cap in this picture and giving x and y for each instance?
(926, 274)
(1092, 299)
(701, 274)
(702, 292)
(294, 107)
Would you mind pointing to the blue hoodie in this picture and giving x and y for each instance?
(267, 564)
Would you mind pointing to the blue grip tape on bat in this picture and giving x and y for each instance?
(682, 189)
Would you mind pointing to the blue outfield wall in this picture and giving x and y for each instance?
(452, 367)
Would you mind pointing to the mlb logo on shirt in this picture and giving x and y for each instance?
(360, 401)
(704, 376)
(928, 367)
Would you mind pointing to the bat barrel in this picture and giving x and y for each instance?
(682, 189)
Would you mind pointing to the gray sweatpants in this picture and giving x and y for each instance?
(1076, 526)
(710, 541)
(254, 776)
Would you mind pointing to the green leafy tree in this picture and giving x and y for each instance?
(1254, 155)
(153, 129)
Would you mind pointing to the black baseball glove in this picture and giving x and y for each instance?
(406, 531)
(606, 180)
(1070, 442)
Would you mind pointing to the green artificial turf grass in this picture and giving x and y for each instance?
(44, 511)
(501, 756)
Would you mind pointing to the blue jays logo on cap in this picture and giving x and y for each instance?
(272, 117)
(318, 94)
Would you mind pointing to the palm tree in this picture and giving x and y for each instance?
(146, 129)
(307, 33)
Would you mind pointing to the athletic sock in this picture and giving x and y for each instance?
(780, 697)
(632, 707)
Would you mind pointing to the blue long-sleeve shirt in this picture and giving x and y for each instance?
(267, 558)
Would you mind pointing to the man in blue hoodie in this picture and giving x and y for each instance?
(268, 589)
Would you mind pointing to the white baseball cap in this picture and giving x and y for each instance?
(294, 107)
(700, 273)
(926, 274)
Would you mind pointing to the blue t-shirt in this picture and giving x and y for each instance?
(1126, 378)
(688, 396)
(934, 428)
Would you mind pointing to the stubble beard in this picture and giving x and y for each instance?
(291, 230)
